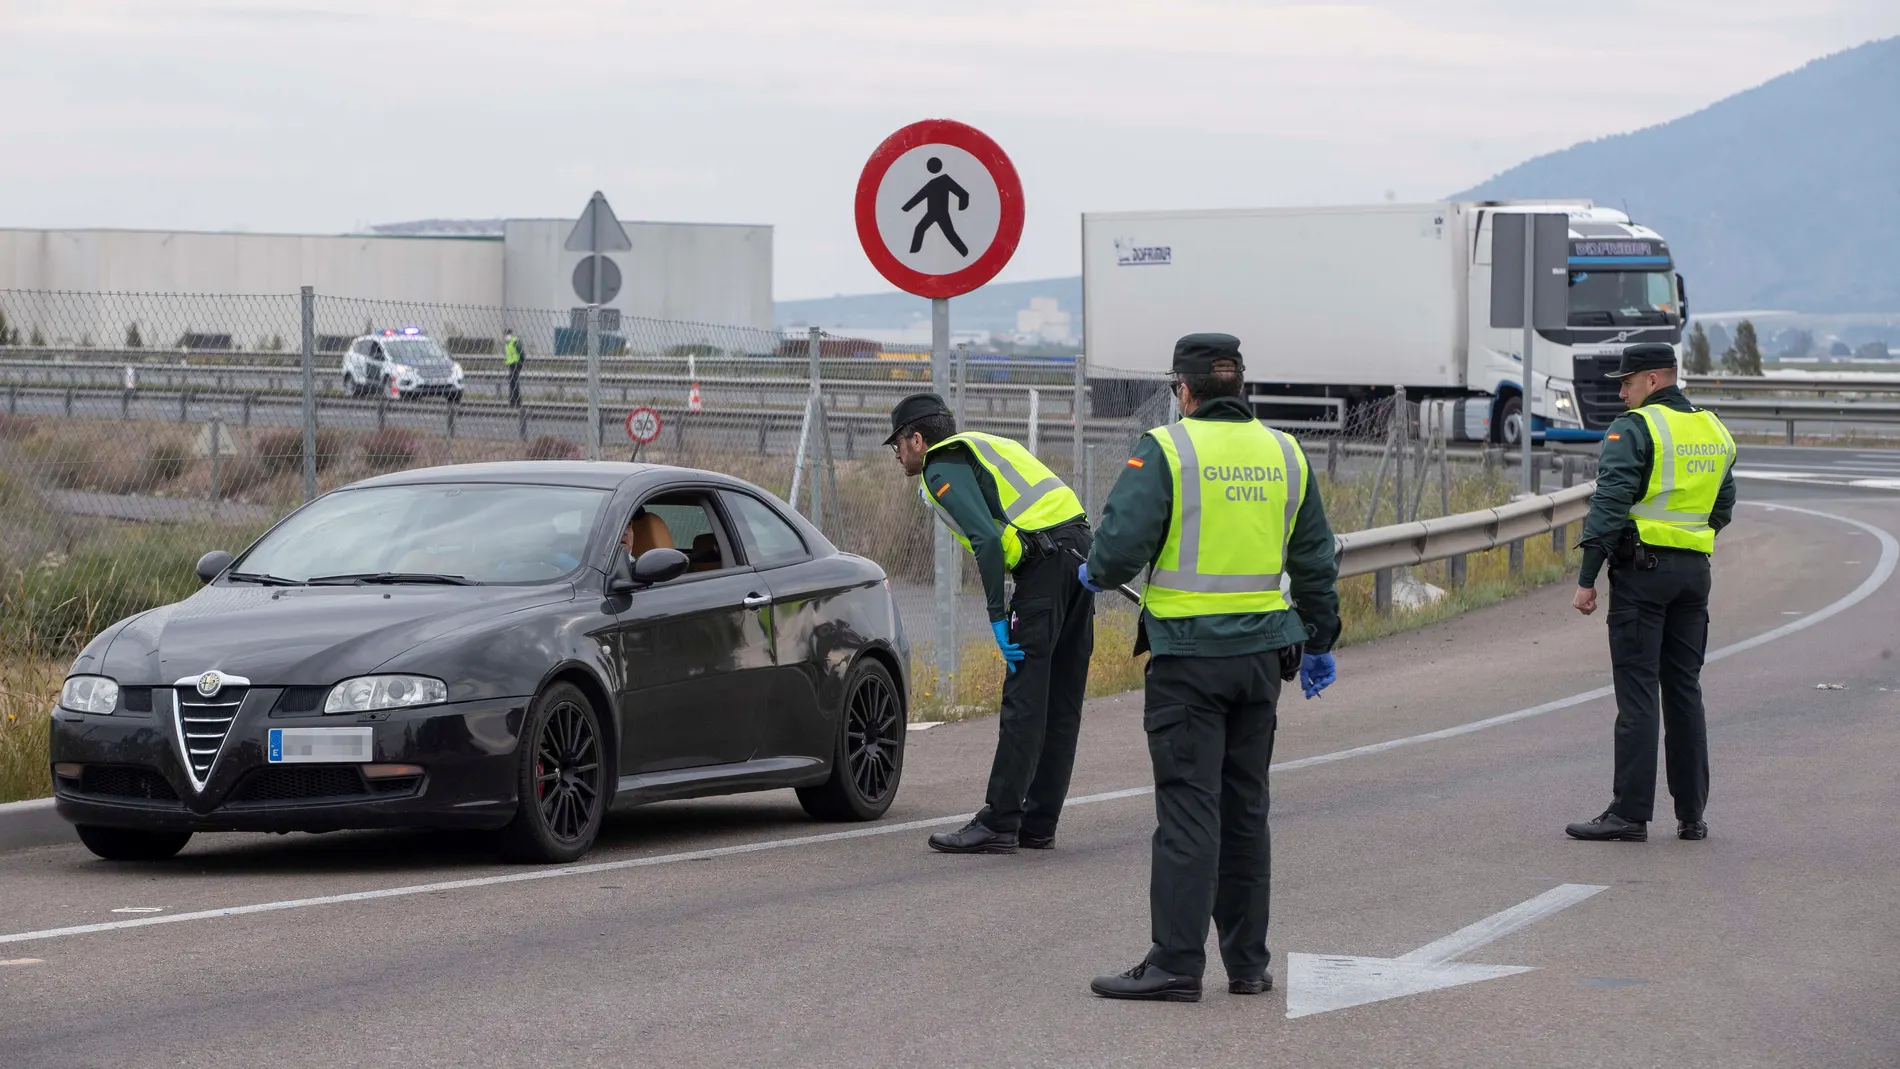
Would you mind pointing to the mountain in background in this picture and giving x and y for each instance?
(1786, 196)
(991, 308)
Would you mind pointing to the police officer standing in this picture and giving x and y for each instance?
(1665, 486)
(511, 356)
(1220, 506)
(1012, 514)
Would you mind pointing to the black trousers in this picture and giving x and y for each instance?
(1210, 724)
(514, 385)
(1659, 630)
(1053, 620)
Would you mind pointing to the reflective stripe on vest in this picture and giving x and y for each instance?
(1032, 497)
(1191, 576)
(1690, 455)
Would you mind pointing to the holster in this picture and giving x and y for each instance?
(1290, 658)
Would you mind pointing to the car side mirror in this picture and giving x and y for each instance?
(212, 565)
(1682, 299)
(660, 565)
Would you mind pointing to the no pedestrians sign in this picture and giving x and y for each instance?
(939, 208)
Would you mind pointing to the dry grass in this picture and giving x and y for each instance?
(28, 688)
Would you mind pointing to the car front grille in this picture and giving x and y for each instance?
(301, 783)
(121, 781)
(205, 722)
(300, 700)
(1598, 399)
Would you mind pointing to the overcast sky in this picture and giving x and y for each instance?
(328, 115)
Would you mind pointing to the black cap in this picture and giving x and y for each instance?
(1649, 356)
(913, 408)
(1196, 353)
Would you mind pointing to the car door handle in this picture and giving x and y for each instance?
(757, 601)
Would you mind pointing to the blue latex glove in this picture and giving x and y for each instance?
(1317, 672)
(1012, 653)
(1082, 576)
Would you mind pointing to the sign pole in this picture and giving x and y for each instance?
(1530, 335)
(949, 567)
(593, 346)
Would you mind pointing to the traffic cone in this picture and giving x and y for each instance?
(394, 394)
(692, 399)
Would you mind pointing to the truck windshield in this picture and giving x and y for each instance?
(1622, 298)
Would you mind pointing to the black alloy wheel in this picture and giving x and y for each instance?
(869, 760)
(563, 776)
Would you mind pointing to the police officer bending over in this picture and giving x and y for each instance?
(1220, 506)
(1665, 486)
(1013, 514)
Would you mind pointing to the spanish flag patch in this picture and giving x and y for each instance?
(1135, 462)
(942, 490)
(1616, 437)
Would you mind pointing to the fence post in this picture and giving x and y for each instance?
(1517, 559)
(1401, 431)
(521, 418)
(13, 398)
(1035, 414)
(1332, 460)
(451, 429)
(1088, 482)
(1455, 570)
(184, 404)
(245, 413)
(69, 402)
(814, 346)
(125, 404)
(1078, 410)
(382, 409)
(1791, 432)
(1382, 590)
(216, 448)
(309, 345)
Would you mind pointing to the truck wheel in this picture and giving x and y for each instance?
(1509, 428)
(131, 844)
(868, 758)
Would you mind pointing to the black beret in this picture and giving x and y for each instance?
(1196, 353)
(913, 408)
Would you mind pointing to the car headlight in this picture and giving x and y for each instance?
(89, 694)
(365, 693)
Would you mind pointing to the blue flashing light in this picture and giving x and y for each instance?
(411, 330)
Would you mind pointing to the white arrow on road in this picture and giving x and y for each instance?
(1318, 983)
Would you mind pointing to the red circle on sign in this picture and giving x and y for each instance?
(647, 431)
(1009, 191)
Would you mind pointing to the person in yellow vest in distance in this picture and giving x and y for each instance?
(1013, 515)
(1220, 507)
(1665, 486)
(511, 355)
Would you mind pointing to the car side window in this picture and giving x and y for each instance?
(769, 540)
(684, 520)
(375, 351)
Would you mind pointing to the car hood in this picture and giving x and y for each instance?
(303, 636)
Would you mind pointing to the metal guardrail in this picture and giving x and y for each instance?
(1802, 384)
(1793, 399)
(1402, 544)
(1791, 412)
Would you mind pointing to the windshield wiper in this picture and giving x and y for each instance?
(392, 577)
(261, 578)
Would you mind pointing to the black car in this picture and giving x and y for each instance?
(510, 647)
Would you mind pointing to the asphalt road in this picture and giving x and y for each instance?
(734, 931)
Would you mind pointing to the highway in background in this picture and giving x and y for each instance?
(1419, 804)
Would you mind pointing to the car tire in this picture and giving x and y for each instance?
(131, 844)
(561, 810)
(455, 397)
(867, 759)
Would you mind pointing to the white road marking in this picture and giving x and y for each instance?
(926, 725)
(23, 961)
(1815, 478)
(1883, 570)
(1317, 983)
(140, 909)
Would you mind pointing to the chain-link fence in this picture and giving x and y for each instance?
(141, 430)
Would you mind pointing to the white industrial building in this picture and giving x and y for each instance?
(473, 285)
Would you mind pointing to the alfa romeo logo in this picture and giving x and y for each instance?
(210, 684)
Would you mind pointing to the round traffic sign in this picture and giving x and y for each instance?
(643, 425)
(609, 279)
(939, 208)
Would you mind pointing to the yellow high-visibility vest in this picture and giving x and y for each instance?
(1237, 488)
(1690, 454)
(1033, 497)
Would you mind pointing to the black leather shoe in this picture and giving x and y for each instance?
(974, 838)
(1609, 828)
(1251, 987)
(1150, 983)
(1691, 829)
(1035, 842)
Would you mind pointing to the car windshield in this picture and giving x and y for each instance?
(414, 350)
(484, 532)
(1622, 298)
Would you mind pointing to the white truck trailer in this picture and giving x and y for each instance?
(1335, 307)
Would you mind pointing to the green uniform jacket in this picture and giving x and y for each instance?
(1135, 526)
(1623, 478)
(967, 492)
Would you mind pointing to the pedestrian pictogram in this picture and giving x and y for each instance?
(643, 425)
(939, 208)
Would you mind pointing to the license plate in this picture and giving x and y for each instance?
(290, 746)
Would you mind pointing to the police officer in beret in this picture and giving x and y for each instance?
(1665, 486)
(1218, 507)
(1013, 515)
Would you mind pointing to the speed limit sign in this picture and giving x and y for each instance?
(643, 425)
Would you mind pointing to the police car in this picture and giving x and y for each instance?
(407, 362)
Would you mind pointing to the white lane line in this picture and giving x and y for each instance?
(1498, 925)
(23, 961)
(1883, 570)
